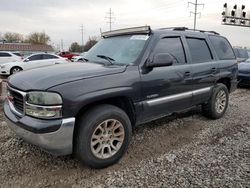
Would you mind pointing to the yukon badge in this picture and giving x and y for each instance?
(152, 96)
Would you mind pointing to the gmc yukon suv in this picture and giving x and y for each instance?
(131, 76)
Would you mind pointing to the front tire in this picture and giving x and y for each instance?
(102, 136)
(15, 70)
(218, 103)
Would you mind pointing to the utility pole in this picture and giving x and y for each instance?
(82, 35)
(195, 13)
(62, 44)
(110, 17)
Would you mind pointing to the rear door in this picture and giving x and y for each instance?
(167, 89)
(49, 59)
(204, 67)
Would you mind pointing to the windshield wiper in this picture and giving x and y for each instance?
(109, 59)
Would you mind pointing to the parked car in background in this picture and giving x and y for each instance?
(68, 55)
(244, 73)
(6, 57)
(132, 76)
(241, 54)
(31, 62)
(248, 52)
(79, 58)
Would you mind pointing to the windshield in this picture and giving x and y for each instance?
(122, 49)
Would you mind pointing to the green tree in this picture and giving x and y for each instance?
(38, 38)
(13, 37)
(90, 43)
(75, 47)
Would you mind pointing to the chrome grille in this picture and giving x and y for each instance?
(17, 99)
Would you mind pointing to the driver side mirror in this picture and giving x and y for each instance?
(161, 60)
(26, 60)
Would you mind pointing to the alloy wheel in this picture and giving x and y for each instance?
(107, 138)
(221, 101)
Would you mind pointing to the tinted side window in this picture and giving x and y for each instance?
(172, 46)
(35, 57)
(3, 54)
(199, 50)
(18, 54)
(48, 56)
(222, 47)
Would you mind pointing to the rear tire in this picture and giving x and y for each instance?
(218, 103)
(102, 136)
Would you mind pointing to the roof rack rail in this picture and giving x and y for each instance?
(185, 28)
(132, 30)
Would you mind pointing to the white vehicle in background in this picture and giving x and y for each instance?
(31, 62)
(79, 58)
(6, 57)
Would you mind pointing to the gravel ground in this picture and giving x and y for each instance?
(182, 150)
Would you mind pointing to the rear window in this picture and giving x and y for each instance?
(199, 50)
(222, 47)
(18, 54)
(49, 56)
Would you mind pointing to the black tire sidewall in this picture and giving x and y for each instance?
(88, 125)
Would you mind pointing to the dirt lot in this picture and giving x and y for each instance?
(183, 150)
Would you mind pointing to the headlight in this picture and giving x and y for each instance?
(45, 105)
(44, 98)
(2, 66)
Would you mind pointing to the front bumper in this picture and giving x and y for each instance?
(4, 71)
(244, 79)
(53, 136)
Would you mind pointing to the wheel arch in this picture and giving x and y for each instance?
(15, 66)
(123, 102)
(226, 81)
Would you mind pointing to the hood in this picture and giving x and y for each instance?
(244, 67)
(47, 77)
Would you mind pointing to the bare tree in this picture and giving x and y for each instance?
(13, 37)
(90, 43)
(38, 38)
(75, 47)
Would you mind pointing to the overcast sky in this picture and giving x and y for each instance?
(61, 19)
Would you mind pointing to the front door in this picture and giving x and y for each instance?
(167, 89)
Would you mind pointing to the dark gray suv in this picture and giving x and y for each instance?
(131, 76)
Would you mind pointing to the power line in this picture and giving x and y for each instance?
(195, 13)
(110, 17)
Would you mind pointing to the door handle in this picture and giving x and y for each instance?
(214, 69)
(187, 74)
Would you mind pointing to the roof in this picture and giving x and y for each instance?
(148, 30)
(26, 47)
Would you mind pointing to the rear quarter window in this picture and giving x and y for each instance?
(222, 47)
